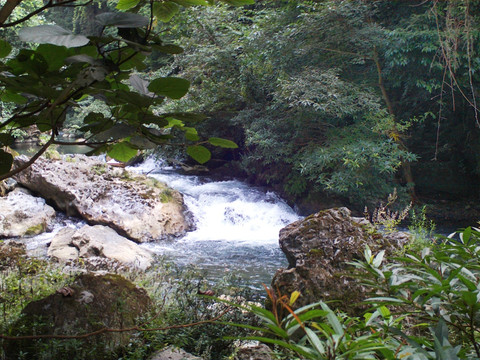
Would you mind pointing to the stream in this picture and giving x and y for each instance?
(236, 228)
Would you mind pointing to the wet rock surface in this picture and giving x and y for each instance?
(98, 242)
(135, 206)
(318, 249)
(22, 214)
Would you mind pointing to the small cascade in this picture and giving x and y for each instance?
(237, 226)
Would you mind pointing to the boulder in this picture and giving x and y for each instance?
(23, 214)
(318, 249)
(173, 353)
(138, 207)
(11, 253)
(98, 241)
(91, 303)
(253, 351)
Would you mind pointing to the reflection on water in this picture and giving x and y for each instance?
(28, 148)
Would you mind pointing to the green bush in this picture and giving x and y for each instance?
(424, 305)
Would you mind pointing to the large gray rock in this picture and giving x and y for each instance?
(22, 214)
(98, 241)
(318, 249)
(173, 353)
(137, 207)
(91, 303)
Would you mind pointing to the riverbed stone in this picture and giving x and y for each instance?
(70, 244)
(137, 207)
(22, 214)
(318, 249)
(173, 353)
(90, 303)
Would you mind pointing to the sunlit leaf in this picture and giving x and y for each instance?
(224, 143)
(239, 2)
(293, 297)
(122, 151)
(199, 153)
(166, 10)
(52, 34)
(191, 2)
(126, 4)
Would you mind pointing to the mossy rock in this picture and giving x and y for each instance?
(90, 303)
(319, 249)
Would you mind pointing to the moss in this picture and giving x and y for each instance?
(166, 195)
(315, 253)
(99, 169)
(35, 229)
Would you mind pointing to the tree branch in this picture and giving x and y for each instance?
(29, 162)
(109, 330)
(7, 10)
(50, 4)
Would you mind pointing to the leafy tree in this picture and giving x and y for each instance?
(45, 81)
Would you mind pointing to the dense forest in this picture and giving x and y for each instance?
(328, 101)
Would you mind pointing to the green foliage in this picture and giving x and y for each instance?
(435, 289)
(424, 305)
(51, 79)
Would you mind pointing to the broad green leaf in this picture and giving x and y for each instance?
(172, 87)
(166, 10)
(199, 153)
(384, 311)
(54, 55)
(122, 20)
(169, 49)
(126, 4)
(9, 96)
(174, 122)
(191, 133)
(5, 48)
(239, 2)
(224, 143)
(122, 151)
(52, 34)
(6, 161)
(191, 2)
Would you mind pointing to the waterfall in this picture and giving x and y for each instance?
(237, 226)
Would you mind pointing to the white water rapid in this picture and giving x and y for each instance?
(236, 226)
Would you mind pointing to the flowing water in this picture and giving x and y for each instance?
(236, 227)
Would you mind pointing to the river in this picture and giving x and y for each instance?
(236, 227)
